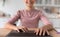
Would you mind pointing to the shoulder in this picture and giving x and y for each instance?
(40, 10)
(20, 11)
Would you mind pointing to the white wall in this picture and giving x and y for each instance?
(11, 6)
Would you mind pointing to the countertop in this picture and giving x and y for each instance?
(4, 32)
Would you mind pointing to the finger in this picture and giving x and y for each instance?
(41, 31)
(23, 29)
(26, 29)
(47, 32)
(37, 31)
(17, 30)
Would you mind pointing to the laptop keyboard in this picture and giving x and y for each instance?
(24, 34)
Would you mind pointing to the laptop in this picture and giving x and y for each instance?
(24, 34)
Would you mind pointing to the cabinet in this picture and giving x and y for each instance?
(55, 3)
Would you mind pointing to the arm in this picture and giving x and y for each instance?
(15, 18)
(47, 23)
(10, 23)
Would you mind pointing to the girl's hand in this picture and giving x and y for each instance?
(23, 28)
(43, 30)
(12, 27)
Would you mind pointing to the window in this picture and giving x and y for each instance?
(43, 1)
(57, 2)
(47, 1)
(39, 1)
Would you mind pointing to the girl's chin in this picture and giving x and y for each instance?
(30, 5)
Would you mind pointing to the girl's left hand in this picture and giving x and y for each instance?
(44, 29)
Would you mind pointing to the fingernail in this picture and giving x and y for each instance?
(43, 35)
(24, 31)
(36, 34)
(40, 34)
(18, 31)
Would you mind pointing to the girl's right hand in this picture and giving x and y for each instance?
(12, 27)
(23, 28)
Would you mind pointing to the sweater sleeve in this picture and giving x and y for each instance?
(14, 18)
(44, 18)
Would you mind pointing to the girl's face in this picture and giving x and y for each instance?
(29, 2)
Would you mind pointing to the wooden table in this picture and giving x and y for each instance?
(4, 32)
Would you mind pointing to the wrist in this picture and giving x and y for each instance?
(48, 27)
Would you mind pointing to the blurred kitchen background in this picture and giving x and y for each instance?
(51, 9)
